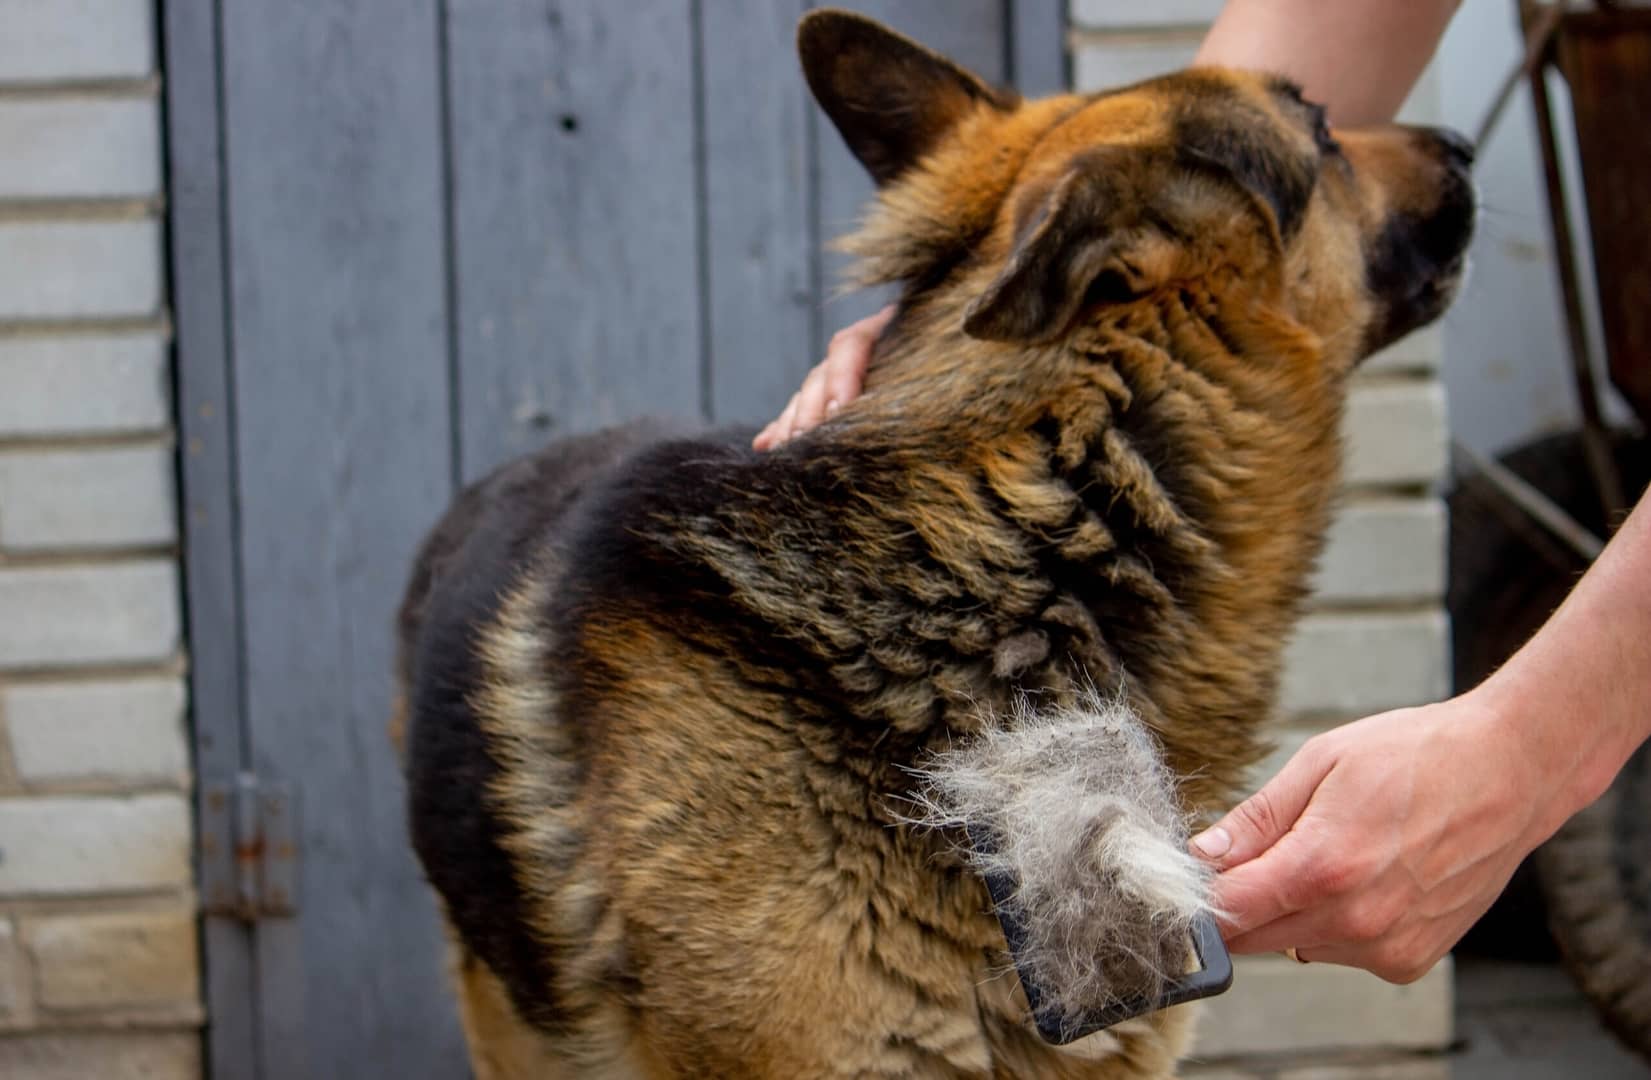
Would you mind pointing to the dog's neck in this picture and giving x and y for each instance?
(988, 519)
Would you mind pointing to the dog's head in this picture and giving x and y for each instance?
(1050, 211)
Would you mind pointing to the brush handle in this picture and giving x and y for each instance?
(1214, 975)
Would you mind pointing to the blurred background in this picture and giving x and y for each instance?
(275, 279)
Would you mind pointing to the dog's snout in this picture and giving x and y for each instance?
(1456, 147)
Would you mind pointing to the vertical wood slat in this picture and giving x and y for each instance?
(336, 268)
(761, 292)
(1037, 44)
(972, 32)
(206, 425)
(575, 223)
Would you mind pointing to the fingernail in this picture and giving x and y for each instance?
(1213, 843)
(832, 406)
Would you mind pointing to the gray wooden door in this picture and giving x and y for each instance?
(411, 238)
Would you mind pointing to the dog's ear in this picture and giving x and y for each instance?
(891, 98)
(1280, 182)
(1079, 245)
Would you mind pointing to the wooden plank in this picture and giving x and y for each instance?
(336, 262)
(760, 246)
(212, 584)
(575, 218)
(1037, 42)
(970, 32)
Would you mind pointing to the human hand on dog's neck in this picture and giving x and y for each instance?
(1364, 57)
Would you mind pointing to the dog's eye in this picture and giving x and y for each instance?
(1327, 143)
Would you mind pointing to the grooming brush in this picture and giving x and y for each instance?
(1070, 817)
(1213, 976)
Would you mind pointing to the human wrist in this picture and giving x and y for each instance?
(1560, 764)
(1575, 701)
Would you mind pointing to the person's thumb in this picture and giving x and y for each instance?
(1258, 822)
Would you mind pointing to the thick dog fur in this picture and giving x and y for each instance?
(666, 696)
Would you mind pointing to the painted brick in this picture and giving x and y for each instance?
(83, 384)
(1103, 65)
(1279, 1006)
(1131, 14)
(1419, 351)
(69, 845)
(1432, 1068)
(81, 147)
(54, 616)
(14, 978)
(63, 269)
(130, 729)
(87, 498)
(110, 960)
(51, 40)
(1381, 549)
(84, 1055)
(1361, 662)
(1395, 433)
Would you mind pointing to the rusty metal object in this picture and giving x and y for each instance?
(1532, 503)
(1595, 436)
(1605, 58)
(1539, 32)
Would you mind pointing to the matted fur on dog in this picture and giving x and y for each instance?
(673, 705)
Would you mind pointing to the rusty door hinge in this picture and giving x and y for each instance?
(249, 848)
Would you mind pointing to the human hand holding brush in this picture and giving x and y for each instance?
(1381, 842)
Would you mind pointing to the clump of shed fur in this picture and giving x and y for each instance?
(1073, 803)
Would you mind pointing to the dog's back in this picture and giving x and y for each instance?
(648, 803)
(499, 533)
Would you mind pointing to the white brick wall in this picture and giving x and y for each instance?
(1395, 431)
(84, 384)
(80, 269)
(79, 845)
(81, 1055)
(14, 995)
(121, 961)
(1103, 61)
(129, 732)
(1376, 636)
(79, 147)
(87, 497)
(56, 41)
(1279, 1006)
(104, 614)
(99, 967)
(1384, 548)
(1343, 663)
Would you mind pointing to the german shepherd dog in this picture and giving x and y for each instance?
(666, 696)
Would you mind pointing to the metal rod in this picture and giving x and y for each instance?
(1596, 445)
(1537, 506)
(1536, 47)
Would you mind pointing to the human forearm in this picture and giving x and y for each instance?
(1578, 695)
(1358, 57)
